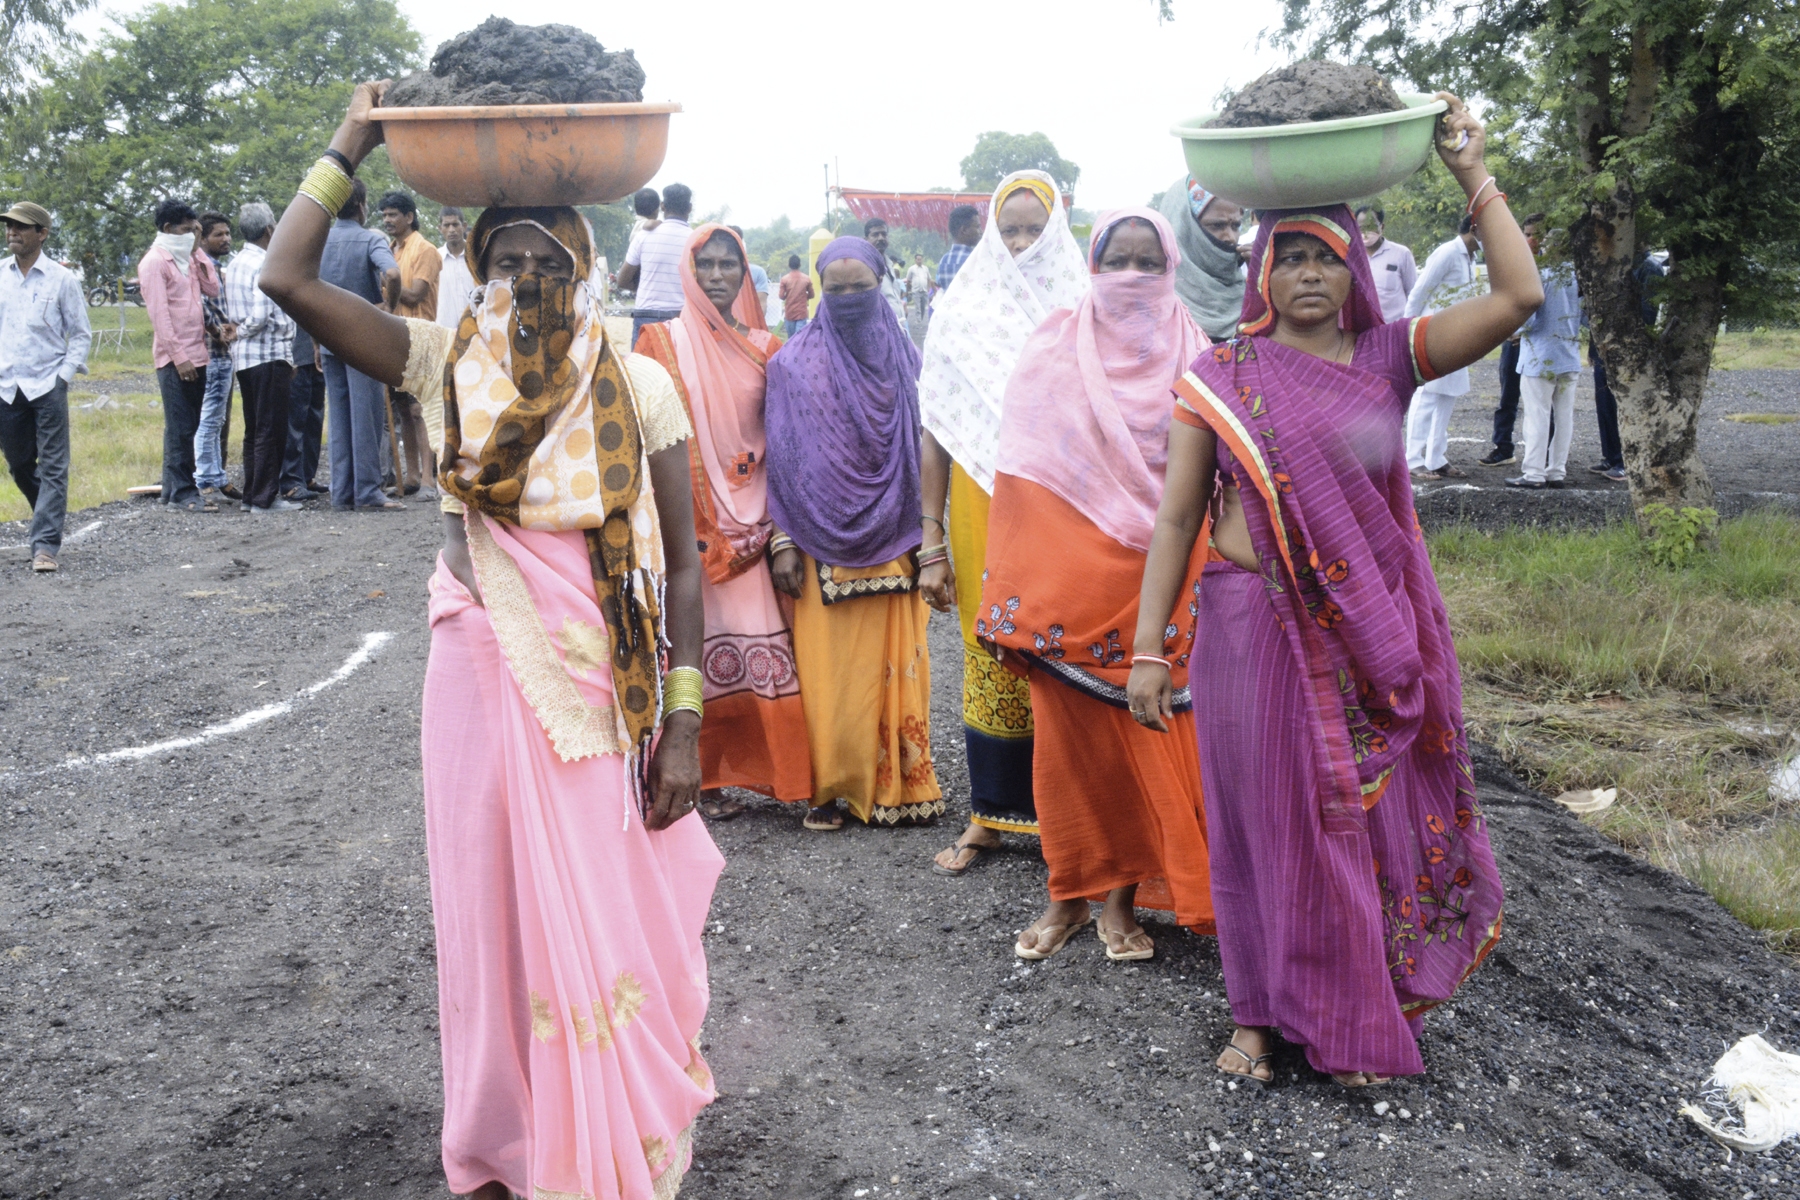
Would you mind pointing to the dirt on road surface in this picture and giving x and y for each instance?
(216, 972)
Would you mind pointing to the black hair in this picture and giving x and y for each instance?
(209, 220)
(793, 262)
(1466, 224)
(1536, 218)
(1380, 217)
(359, 197)
(402, 203)
(450, 210)
(678, 201)
(174, 212)
(872, 224)
(737, 229)
(645, 202)
(962, 215)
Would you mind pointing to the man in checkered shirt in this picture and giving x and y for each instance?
(263, 355)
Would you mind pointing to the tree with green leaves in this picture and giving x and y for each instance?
(1643, 125)
(28, 28)
(997, 155)
(214, 101)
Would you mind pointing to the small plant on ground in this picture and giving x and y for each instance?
(1674, 537)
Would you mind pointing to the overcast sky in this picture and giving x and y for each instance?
(773, 90)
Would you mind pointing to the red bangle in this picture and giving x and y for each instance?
(1475, 217)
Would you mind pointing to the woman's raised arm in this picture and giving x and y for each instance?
(366, 338)
(1466, 331)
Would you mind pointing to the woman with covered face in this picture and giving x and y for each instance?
(717, 352)
(1352, 879)
(569, 880)
(1025, 267)
(1083, 444)
(843, 417)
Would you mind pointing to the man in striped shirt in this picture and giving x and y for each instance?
(652, 270)
(263, 356)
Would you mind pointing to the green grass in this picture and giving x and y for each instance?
(1588, 666)
(1762, 418)
(1758, 348)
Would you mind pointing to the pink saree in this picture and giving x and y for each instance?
(572, 983)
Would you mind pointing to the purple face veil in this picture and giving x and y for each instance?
(843, 422)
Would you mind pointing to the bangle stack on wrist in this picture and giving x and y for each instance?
(328, 185)
(780, 542)
(682, 691)
(932, 555)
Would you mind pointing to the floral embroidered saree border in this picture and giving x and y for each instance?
(575, 728)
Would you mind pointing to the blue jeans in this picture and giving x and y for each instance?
(355, 419)
(794, 327)
(209, 451)
(34, 435)
(641, 317)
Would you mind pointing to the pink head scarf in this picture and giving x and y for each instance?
(1087, 409)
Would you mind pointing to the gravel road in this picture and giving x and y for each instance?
(216, 973)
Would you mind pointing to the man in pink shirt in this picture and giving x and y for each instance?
(174, 275)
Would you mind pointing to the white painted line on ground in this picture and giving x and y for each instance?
(372, 642)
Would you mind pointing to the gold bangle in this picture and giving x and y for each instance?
(328, 186)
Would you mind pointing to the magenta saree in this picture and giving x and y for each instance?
(1353, 882)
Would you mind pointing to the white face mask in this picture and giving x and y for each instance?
(180, 245)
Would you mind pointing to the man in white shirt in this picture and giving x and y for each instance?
(1392, 264)
(454, 281)
(875, 231)
(44, 338)
(1449, 276)
(652, 270)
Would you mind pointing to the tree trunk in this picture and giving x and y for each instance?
(1658, 381)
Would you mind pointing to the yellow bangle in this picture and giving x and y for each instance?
(683, 688)
(328, 186)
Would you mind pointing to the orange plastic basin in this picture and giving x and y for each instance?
(479, 156)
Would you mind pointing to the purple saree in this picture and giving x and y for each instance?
(1353, 882)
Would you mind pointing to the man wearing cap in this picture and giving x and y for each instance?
(44, 338)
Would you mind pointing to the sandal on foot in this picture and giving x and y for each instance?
(1368, 1080)
(1126, 947)
(725, 808)
(823, 819)
(1252, 1063)
(1058, 936)
(954, 871)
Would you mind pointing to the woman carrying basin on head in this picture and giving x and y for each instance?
(1083, 443)
(1352, 879)
(561, 724)
(1025, 267)
(843, 418)
(717, 351)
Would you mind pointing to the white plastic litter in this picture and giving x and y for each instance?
(1764, 1084)
(1588, 800)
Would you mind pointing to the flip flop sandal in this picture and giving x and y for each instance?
(1253, 1063)
(954, 872)
(823, 824)
(720, 810)
(1126, 947)
(1059, 937)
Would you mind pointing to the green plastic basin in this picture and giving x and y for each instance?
(1313, 162)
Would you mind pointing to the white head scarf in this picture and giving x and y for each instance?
(981, 326)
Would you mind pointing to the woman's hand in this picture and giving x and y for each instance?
(456, 555)
(787, 570)
(1150, 696)
(937, 583)
(1462, 143)
(358, 135)
(674, 771)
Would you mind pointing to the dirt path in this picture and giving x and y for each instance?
(216, 961)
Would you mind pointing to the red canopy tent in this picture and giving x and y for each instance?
(918, 210)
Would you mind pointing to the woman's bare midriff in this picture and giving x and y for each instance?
(1231, 533)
